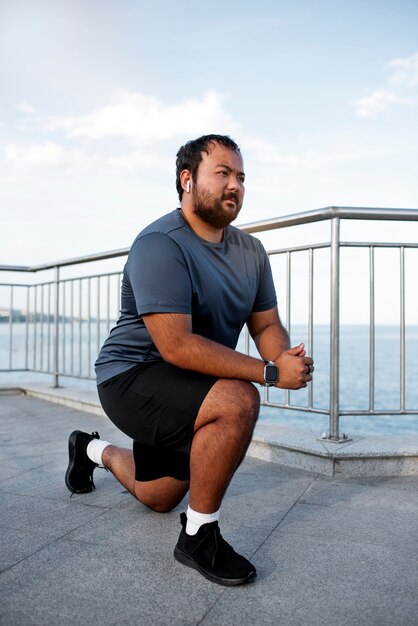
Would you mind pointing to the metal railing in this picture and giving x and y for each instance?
(64, 320)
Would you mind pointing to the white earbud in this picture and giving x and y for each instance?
(188, 186)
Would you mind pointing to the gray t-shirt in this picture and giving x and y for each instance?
(170, 269)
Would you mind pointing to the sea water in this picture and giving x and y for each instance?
(78, 352)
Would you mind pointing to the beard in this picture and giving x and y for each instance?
(210, 210)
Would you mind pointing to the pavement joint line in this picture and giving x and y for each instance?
(284, 516)
(50, 543)
(57, 498)
(222, 591)
(101, 511)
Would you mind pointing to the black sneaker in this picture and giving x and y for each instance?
(212, 556)
(79, 474)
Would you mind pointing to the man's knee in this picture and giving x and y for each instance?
(234, 402)
(161, 495)
(250, 397)
(247, 400)
(158, 506)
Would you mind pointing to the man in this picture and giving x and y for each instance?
(169, 376)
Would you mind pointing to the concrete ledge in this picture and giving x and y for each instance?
(395, 455)
(11, 391)
(79, 399)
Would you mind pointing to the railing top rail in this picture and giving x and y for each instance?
(319, 215)
(307, 217)
(99, 256)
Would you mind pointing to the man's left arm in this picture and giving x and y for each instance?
(273, 344)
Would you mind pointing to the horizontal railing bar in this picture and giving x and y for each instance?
(319, 215)
(307, 217)
(364, 244)
(16, 268)
(348, 412)
(381, 412)
(76, 278)
(305, 248)
(62, 280)
(343, 244)
(43, 371)
(294, 407)
(78, 376)
(101, 256)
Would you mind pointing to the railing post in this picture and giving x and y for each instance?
(11, 328)
(334, 399)
(55, 382)
(402, 328)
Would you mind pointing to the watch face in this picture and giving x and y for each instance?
(270, 373)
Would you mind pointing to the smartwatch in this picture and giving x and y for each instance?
(271, 374)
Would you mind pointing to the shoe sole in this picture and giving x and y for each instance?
(71, 453)
(185, 559)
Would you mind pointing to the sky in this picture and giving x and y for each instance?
(96, 97)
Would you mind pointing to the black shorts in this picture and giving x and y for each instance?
(156, 404)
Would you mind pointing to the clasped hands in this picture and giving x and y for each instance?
(295, 368)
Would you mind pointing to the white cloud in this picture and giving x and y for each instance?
(130, 118)
(404, 71)
(404, 74)
(379, 102)
(144, 119)
(46, 155)
(25, 107)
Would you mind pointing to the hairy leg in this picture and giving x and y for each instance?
(223, 431)
(160, 495)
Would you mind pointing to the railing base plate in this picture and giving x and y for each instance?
(343, 438)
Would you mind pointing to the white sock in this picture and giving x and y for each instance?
(195, 520)
(95, 450)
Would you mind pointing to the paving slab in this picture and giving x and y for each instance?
(322, 582)
(327, 550)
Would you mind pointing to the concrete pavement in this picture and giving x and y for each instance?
(339, 551)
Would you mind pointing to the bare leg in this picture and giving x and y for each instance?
(223, 431)
(120, 462)
(160, 495)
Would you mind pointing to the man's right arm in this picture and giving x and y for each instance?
(273, 343)
(178, 345)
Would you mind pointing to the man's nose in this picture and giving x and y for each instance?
(233, 183)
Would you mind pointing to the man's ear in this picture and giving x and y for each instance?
(186, 180)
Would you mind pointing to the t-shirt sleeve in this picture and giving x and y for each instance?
(158, 275)
(266, 295)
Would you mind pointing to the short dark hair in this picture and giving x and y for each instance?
(190, 155)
